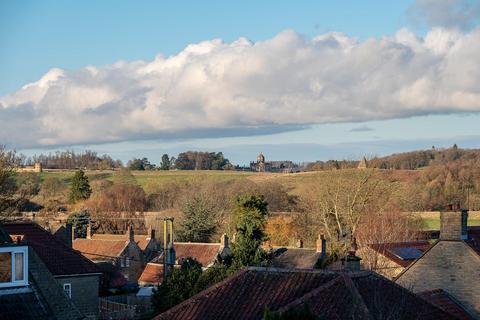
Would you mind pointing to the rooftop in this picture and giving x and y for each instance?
(246, 294)
(397, 251)
(141, 240)
(57, 256)
(446, 302)
(100, 250)
(296, 258)
(205, 253)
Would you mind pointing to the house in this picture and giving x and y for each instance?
(452, 263)
(27, 288)
(390, 259)
(77, 276)
(329, 295)
(205, 253)
(148, 243)
(121, 255)
(299, 257)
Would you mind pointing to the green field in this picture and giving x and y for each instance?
(434, 224)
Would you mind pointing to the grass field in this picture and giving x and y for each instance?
(434, 224)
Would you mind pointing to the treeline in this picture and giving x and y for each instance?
(331, 165)
(189, 160)
(424, 158)
(70, 159)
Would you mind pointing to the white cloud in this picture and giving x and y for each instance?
(214, 88)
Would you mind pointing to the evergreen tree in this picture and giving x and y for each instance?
(251, 217)
(165, 164)
(79, 220)
(178, 286)
(80, 189)
(200, 221)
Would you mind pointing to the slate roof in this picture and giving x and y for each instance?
(446, 302)
(384, 249)
(23, 305)
(205, 253)
(474, 239)
(56, 255)
(99, 250)
(141, 240)
(295, 258)
(246, 294)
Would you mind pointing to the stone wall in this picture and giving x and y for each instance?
(84, 293)
(449, 265)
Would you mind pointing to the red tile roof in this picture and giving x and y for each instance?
(205, 253)
(446, 302)
(384, 249)
(141, 240)
(246, 294)
(152, 274)
(57, 256)
(99, 250)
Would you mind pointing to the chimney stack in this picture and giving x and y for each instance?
(322, 245)
(73, 235)
(453, 223)
(351, 262)
(151, 233)
(299, 243)
(89, 231)
(131, 233)
(224, 246)
(69, 234)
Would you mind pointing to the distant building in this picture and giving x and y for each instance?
(273, 166)
(37, 167)
(363, 164)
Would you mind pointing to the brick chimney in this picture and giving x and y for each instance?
(351, 262)
(69, 234)
(299, 243)
(322, 246)
(89, 231)
(130, 233)
(453, 223)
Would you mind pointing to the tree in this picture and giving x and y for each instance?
(80, 220)
(8, 186)
(200, 221)
(80, 189)
(165, 164)
(250, 213)
(178, 286)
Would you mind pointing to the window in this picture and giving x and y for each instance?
(13, 266)
(122, 262)
(127, 261)
(67, 288)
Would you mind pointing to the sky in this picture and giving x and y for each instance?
(303, 81)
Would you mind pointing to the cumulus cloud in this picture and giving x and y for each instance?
(451, 14)
(219, 89)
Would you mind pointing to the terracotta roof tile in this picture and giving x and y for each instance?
(57, 256)
(246, 294)
(152, 274)
(141, 240)
(446, 302)
(99, 250)
(384, 249)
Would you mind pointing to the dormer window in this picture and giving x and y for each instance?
(13, 266)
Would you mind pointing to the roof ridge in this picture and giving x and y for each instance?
(204, 292)
(309, 294)
(355, 294)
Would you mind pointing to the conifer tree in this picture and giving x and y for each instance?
(80, 189)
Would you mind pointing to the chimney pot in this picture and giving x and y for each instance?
(89, 231)
(69, 234)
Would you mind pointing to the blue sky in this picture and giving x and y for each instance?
(37, 36)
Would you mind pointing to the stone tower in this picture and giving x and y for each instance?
(261, 163)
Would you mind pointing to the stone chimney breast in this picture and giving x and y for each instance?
(453, 223)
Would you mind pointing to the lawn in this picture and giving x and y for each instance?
(434, 223)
